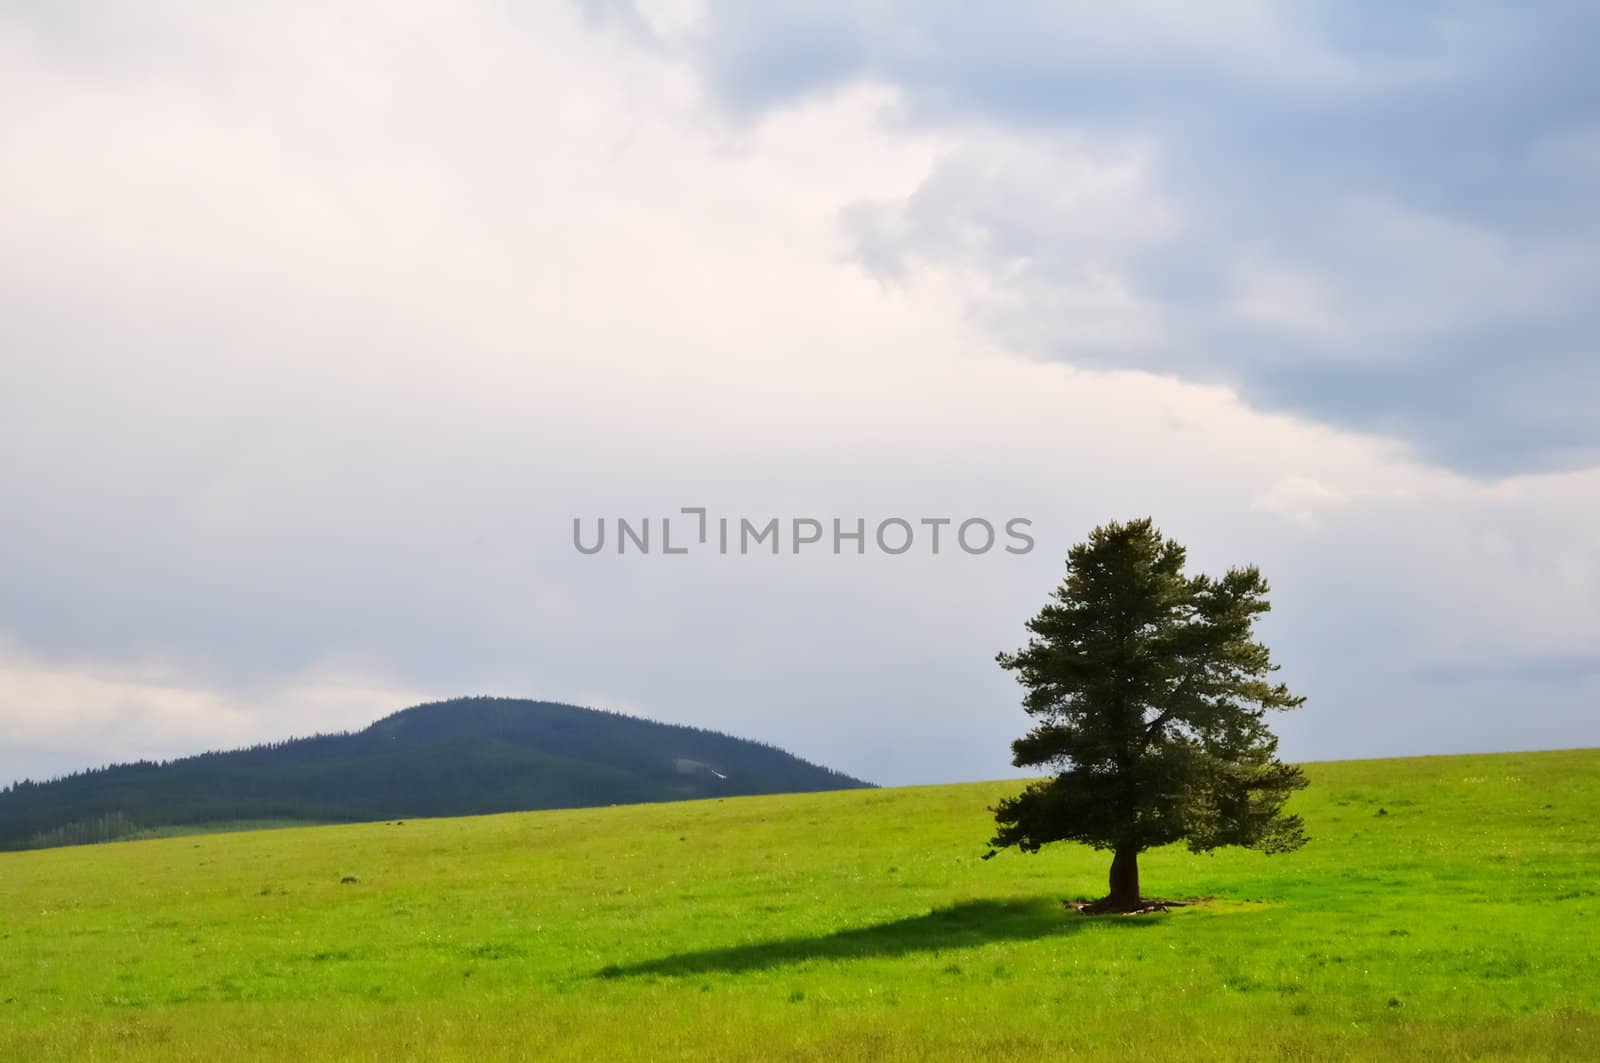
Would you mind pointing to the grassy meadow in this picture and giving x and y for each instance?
(1446, 907)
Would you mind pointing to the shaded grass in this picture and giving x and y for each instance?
(225, 827)
(958, 926)
(1459, 923)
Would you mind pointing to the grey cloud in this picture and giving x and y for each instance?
(1542, 669)
(295, 387)
(1429, 167)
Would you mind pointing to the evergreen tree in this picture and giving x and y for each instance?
(1149, 697)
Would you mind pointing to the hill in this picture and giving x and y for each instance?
(467, 756)
(1445, 908)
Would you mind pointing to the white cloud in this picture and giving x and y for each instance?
(1038, 230)
(314, 354)
(88, 712)
(1299, 499)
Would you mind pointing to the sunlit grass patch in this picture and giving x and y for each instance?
(829, 926)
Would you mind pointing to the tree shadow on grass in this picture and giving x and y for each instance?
(956, 927)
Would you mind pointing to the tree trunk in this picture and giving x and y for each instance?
(1124, 879)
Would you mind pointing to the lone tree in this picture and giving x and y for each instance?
(1149, 696)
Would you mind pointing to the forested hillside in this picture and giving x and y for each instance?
(452, 758)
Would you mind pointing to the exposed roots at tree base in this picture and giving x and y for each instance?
(1143, 906)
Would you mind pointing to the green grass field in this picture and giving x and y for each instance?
(1445, 908)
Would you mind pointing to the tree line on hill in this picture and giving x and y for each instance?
(466, 756)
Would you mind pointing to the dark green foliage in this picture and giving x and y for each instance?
(105, 827)
(452, 758)
(1149, 695)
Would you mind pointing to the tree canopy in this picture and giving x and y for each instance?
(1149, 696)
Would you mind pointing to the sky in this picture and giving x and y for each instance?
(321, 324)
